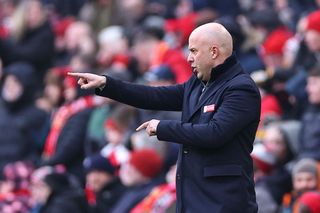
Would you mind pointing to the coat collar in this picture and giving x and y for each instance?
(219, 70)
(219, 76)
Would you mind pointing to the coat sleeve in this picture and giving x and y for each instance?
(167, 98)
(240, 107)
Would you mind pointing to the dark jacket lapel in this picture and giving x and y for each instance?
(219, 76)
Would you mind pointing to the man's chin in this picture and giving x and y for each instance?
(200, 77)
(197, 75)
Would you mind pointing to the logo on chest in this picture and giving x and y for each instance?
(209, 108)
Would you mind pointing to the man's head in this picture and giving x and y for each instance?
(209, 45)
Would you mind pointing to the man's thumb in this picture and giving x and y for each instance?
(88, 85)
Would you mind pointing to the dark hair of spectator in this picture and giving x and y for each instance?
(267, 18)
(150, 33)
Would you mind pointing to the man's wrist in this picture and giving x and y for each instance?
(103, 83)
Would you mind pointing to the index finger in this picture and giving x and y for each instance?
(142, 126)
(77, 74)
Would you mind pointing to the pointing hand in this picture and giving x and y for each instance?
(150, 126)
(89, 80)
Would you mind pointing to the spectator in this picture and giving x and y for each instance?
(54, 192)
(21, 121)
(178, 29)
(102, 183)
(309, 144)
(273, 47)
(100, 14)
(270, 106)
(303, 58)
(95, 138)
(309, 202)
(162, 198)
(62, 8)
(309, 45)
(248, 56)
(312, 34)
(150, 40)
(78, 41)
(304, 175)
(139, 175)
(263, 163)
(276, 141)
(66, 139)
(117, 132)
(7, 8)
(14, 189)
(159, 76)
(278, 181)
(113, 55)
(221, 7)
(272, 36)
(60, 28)
(52, 96)
(136, 12)
(31, 38)
(140, 140)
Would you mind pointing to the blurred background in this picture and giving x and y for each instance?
(66, 150)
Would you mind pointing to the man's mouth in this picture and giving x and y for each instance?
(194, 70)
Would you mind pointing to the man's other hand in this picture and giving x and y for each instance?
(150, 126)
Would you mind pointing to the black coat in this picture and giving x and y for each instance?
(18, 133)
(215, 172)
(310, 132)
(22, 124)
(108, 197)
(133, 195)
(69, 201)
(70, 145)
(35, 47)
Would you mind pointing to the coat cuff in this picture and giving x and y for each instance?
(163, 130)
(99, 90)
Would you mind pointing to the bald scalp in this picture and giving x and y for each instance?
(214, 34)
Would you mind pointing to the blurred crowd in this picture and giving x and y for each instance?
(64, 149)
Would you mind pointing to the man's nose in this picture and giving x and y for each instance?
(190, 58)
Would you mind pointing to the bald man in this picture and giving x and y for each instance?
(220, 107)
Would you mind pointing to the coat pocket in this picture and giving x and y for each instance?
(222, 170)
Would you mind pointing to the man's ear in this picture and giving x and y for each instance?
(214, 52)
